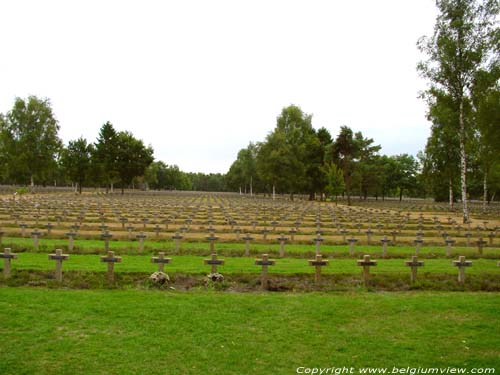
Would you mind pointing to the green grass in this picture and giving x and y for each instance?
(153, 332)
(194, 265)
(131, 247)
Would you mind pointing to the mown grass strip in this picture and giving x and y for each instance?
(130, 332)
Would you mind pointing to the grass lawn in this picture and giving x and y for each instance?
(150, 245)
(194, 264)
(155, 332)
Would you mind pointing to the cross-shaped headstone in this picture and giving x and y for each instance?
(71, 237)
(384, 242)
(59, 257)
(141, 237)
(318, 263)
(36, 238)
(49, 227)
(394, 233)
(177, 238)
(7, 257)
(352, 241)
(369, 233)
(106, 236)
(480, 243)
(161, 260)
(264, 262)
(491, 236)
(282, 239)
(418, 242)
(247, 240)
(468, 236)
(110, 259)
(366, 263)
(292, 233)
(214, 262)
(461, 263)
(449, 243)
(264, 232)
(23, 229)
(318, 241)
(414, 264)
(211, 239)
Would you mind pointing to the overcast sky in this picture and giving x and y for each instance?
(199, 80)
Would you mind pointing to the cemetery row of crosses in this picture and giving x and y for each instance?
(174, 222)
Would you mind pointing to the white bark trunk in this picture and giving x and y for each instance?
(274, 192)
(485, 191)
(463, 166)
(451, 193)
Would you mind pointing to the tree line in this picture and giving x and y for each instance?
(31, 152)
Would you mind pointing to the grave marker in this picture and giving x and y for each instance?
(282, 240)
(110, 259)
(59, 257)
(161, 260)
(264, 262)
(414, 264)
(214, 262)
(247, 240)
(7, 257)
(318, 263)
(461, 263)
(366, 263)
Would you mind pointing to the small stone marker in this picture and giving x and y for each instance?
(352, 241)
(318, 263)
(480, 243)
(214, 262)
(292, 233)
(343, 232)
(449, 243)
(418, 242)
(111, 260)
(264, 262)
(491, 235)
(130, 228)
(7, 256)
(468, 236)
(369, 233)
(366, 263)
(161, 260)
(177, 237)
(384, 241)
(318, 241)
(461, 263)
(23, 229)
(247, 240)
(141, 237)
(414, 264)
(282, 240)
(71, 237)
(264, 232)
(36, 238)
(394, 234)
(49, 227)
(59, 257)
(106, 237)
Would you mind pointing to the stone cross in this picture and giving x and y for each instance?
(111, 260)
(264, 262)
(237, 231)
(318, 241)
(123, 220)
(106, 236)
(247, 240)
(366, 263)
(264, 232)
(480, 243)
(449, 243)
(318, 263)
(23, 229)
(130, 228)
(36, 237)
(49, 227)
(369, 233)
(352, 241)
(344, 232)
(394, 233)
(384, 241)
(468, 236)
(157, 230)
(491, 235)
(211, 239)
(461, 263)
(59, 257)
(177, 238)
(292, 233)
(418, 242)
(7, 256)
(282, 240)
(161, 260)
(71, 237)
(414, 264)
(214, 262)
(141, 237)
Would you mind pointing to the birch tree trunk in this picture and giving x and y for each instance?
(463, 160)
(450, 182)
(485, 191)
